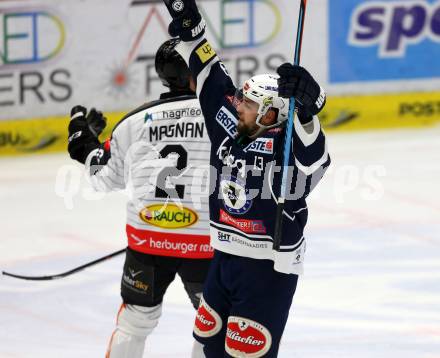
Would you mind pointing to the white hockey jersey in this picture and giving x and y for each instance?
(160, 154)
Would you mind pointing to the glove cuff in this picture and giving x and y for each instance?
(88, 148)
(182, 27)
(304, 116)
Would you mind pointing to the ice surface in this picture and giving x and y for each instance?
(371, 287)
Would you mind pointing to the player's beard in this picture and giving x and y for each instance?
(245, 130)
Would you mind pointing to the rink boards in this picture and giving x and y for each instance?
(342, 113)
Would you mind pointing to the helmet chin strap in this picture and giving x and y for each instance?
(261, 127)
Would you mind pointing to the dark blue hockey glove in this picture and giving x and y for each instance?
(297, 82)
(84, 132)
(187, 22)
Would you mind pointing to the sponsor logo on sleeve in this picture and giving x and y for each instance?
(247, 338)
(227, 120)
(205, 52)
(168, 216)
(261, 145)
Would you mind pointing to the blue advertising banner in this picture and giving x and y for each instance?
(372, 40)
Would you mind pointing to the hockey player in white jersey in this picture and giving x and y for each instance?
(160, 153)
(250, 286)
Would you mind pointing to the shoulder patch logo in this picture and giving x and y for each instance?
(227, 120)
(205, 52)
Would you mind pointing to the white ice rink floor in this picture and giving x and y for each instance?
(371, 287)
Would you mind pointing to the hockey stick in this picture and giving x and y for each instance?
(64, 274)
(289, 130)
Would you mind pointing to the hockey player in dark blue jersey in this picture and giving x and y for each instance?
(250, 286)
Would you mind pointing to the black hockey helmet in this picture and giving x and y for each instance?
(171, 67)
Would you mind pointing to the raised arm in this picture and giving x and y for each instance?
(308, 141)
(215, 88)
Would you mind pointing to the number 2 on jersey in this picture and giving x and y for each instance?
(162, 189)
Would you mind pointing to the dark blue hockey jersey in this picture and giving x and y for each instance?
(246, 175)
